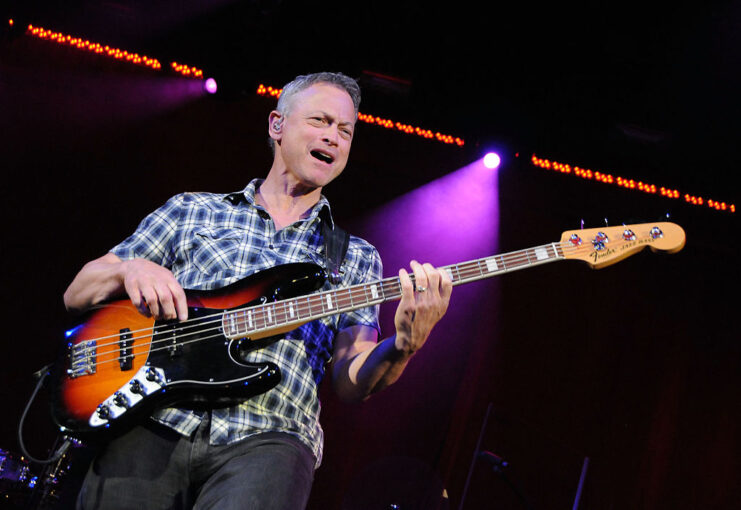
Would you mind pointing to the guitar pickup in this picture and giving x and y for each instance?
(169, 336)
(125, 354)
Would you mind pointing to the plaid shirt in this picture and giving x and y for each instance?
(211, 240)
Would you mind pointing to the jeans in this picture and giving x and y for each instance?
(154, 468)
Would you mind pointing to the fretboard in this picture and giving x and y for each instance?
(287, 314)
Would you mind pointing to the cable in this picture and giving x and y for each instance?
(41, 375)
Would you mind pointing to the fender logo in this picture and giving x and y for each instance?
(597, 255)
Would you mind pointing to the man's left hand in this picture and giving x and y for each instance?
(422, 305)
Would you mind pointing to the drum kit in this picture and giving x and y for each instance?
(23, 487)
(16, 480)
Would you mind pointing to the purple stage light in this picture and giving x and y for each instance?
(210, 86)
(492, 160)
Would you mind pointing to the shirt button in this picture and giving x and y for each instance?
(271, 247)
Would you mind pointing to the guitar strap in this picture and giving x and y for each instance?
(336, 241)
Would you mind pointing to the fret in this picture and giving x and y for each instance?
(352, 303)
(391, 288)
(360, 294)
(315, 302)
(481, 270)
(280, 313)
(259, 317)
(344, 299)
(242, 325)
(517, 262)
(307, 313)
(461, 274)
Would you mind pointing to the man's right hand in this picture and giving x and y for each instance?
(153, 289)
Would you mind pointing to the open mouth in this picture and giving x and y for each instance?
(321, 156)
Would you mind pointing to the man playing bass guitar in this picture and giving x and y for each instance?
(261, 453)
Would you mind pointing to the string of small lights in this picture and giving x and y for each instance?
(105, 50)
(586, 173)
(263, 90)
(193, 72)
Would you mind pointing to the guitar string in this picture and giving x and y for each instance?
(514, 259)
(468, 272)
(464, 274)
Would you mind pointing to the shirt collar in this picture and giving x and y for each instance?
(247, 195)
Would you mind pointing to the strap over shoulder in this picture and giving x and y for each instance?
(336, 241)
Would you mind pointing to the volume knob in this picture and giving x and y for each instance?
(136, 387)
(103, 412)
(121, 400)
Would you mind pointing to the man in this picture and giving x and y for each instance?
(262, 453)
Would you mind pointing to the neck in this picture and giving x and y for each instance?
(286, 200)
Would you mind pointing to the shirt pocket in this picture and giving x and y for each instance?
(216, 250)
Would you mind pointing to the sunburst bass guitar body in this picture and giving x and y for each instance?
(118, 364)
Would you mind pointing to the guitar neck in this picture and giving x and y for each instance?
(281, 316)
(495, 265)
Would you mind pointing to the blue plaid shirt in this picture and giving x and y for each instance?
(211, 240)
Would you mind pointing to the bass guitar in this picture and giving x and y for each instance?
(118, 365)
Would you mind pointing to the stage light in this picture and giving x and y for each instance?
(210, 86)
(492, 160)
(263, 90)
(630, 184)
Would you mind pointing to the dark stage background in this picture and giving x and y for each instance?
(635, 366)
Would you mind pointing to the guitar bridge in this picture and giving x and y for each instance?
(82, 359)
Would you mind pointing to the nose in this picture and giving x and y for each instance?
(331, 135)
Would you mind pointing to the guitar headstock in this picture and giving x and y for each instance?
(600, 247)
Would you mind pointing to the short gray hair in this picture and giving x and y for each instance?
(303, 82)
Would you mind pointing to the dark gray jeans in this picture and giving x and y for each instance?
(154, 468)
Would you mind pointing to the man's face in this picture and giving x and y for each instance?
(316, 134)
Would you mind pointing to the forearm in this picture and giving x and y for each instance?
(362, 366)
(380, 367)
(97, 281)
(370, 370)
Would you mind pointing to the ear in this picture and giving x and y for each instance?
(275, 125)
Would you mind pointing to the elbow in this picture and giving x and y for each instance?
(354, 393)
(71, 303)
(68, 301)
(351, 395)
